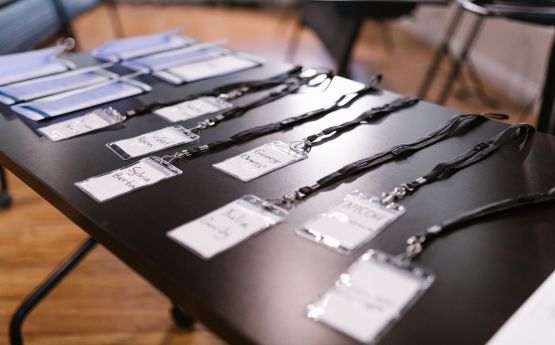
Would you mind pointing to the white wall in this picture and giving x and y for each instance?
(511, 56)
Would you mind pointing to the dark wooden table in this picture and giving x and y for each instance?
(257, 291)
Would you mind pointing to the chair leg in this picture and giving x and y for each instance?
(442, 51)
(457, 66)
(548, 96)
(5, 197)
(43, 289)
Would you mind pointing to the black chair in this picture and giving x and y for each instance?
(540, 12)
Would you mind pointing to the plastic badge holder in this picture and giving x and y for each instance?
(371, 296)
(206, 105)
(80, 99)
(141, 174)
(227, 226)
(132, 47)
(261, 161)
(219, 66)
(173, 58)
(33, 64)
(152, 142)
(352, 223)
(61, 82)
(97, 119)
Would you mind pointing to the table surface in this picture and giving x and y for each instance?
(257, 291)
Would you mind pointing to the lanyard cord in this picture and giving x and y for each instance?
(229, 91)
(364, 118)
(417, 243)
(341, 102)
(393, 153)
(468, 158)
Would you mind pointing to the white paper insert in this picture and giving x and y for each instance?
(533, 322)
(97, 119)
(207, 69)
(152, 141)
(260, 161)
(355, 221)
(143, 173)
(227, 226)
(369, 297)
(193, 108)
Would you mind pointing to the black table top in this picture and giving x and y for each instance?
(257, 291)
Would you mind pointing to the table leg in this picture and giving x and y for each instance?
(5, 197)
(42, 290)
(182, 318)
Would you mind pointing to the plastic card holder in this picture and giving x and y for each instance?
(371, 296)
(206, 105)
(71, 101)
(261, 161)
(227, 226)
(353, 222)
(173, 58)
(533, 322)
(97, 119)
(33, 64)
(132, 47)
(141, 174)
(218, 66)
(152, 142)
(61, 82)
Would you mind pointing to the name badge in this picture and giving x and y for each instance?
(370, 297)
(97, 119)
(153, 141)
(355, 221)
(533, 321)
(141, 174)
(227, 226)
(194, 108)
(261, 160)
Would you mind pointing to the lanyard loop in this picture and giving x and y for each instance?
(417, 243)
(393, 153)
(468, 158)
(341, 102)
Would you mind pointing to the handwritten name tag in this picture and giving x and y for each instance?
(193, 108)
(355, 221)
(370, 296)
(261, 160)
(533, 321)
(227, 226)
(141, 174)
(97, 119)
(153, 141)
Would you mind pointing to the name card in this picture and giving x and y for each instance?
(370, 296)
(261, 160)
(227, 226)
(193, 108)
(533, 322)
(141, 174)
(97, 119)
(153, 141)
(355, 221)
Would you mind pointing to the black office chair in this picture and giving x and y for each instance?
(338, 23)
(530, 11)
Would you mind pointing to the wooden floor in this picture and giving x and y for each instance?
(103, 301)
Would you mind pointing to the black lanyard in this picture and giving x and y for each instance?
(417, 243)
(341, 102)
(396, 152)
(230, 91)
(364, 118)
(468, 158)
